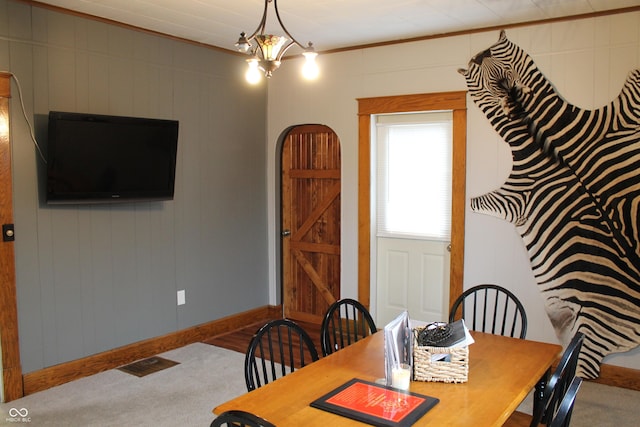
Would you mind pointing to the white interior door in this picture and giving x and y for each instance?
(413, 275)
(413, 155)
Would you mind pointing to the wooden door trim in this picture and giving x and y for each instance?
(455, 101)
(9, 339)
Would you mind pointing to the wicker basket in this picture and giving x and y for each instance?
(454, 370)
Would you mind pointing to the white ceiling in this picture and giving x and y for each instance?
(330, 24)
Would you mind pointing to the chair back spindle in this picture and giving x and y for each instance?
(345, 322)
(491, 308)
(279, 347)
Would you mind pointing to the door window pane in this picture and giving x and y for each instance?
(414, 175)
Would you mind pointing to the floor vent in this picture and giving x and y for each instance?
(148, 366)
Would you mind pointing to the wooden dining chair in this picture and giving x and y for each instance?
(491, 308)
(554, 390)
(345, 322)
(563, 416)
(279, 347)
(238, 418)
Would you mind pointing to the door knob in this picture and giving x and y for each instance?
(286, 233)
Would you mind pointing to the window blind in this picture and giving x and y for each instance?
(413, 176)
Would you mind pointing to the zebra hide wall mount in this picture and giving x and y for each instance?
(573, 195)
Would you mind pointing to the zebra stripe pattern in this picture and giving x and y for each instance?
(573, 195)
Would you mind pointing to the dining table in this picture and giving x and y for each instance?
(502, 372)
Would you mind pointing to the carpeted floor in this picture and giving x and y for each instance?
(182, 395)
(599, 405)
(206, 376)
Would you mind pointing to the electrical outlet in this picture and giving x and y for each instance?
(181, 297)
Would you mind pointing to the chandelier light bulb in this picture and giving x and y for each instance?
(310, 70)
(253, 74)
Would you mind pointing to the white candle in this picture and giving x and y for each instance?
(401, 377)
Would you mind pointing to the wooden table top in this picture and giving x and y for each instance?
(502, 371)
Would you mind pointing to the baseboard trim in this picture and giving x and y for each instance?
(618, 376)
(90, 365)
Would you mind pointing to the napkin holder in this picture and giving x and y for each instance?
(397, 344)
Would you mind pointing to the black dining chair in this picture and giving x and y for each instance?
(547, 400)
(345, 322)
(279, 347)
(491, 308)
(237, 418)
(563, 416)
(559, 382)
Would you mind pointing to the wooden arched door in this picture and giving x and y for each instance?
(310, 221)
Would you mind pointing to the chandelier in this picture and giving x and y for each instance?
(266, 57)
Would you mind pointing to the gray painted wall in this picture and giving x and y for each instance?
(92, 278)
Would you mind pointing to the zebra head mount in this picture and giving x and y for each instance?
(499, 77)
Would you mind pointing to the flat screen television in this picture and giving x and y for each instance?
(94, 158)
